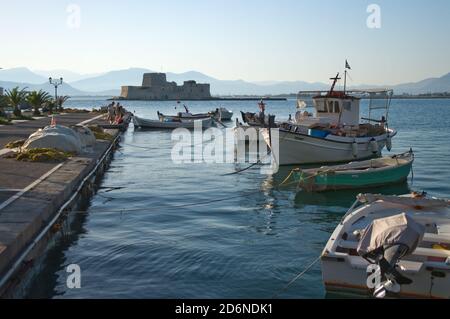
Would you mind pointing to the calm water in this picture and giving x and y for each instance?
(142, 239)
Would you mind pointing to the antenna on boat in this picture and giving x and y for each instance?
(347, 67)
(335, 79)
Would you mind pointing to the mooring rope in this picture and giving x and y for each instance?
(244, 169)
(297, 277)
(152, 149)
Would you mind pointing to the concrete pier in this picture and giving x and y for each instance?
(33, 195)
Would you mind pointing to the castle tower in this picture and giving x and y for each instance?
(154, 79)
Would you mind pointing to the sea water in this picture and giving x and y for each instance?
(157, 229)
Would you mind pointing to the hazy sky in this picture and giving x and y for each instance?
(254, 40)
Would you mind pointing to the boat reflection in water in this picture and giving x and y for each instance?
(345, 198)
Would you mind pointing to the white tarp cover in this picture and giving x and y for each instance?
(62, 138)
(87, 137)
(394, 230)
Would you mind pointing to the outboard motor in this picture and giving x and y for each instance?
(244, 117)
(384, 243)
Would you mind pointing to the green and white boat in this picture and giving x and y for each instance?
(370, 173)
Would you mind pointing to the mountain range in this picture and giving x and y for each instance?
(108, 84)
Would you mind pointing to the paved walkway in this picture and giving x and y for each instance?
(31, 193)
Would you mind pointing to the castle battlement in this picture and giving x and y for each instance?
(155, 87)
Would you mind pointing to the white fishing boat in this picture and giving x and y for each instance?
(334, 134)
(171, 124)
(220, 114)
(391, 246)
(252, 124)
(223, 114)
(183, 116)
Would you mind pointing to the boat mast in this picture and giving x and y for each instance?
(347, 67)
(345, 81)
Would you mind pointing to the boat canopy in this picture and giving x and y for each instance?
(384, 233)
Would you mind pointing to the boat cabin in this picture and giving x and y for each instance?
(340, 110)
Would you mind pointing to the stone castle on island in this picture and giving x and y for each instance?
(155, 87)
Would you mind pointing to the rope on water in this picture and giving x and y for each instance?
(259, 162)
(152, 149)
(299, 276)
(244, 169)
(147, 207)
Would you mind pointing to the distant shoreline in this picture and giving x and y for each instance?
(256, 98)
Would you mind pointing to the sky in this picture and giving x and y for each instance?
(253, 40)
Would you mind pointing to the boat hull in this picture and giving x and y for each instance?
(341, 275)
(295, 148)
(224, 115)
(155, 124)
(344, 271)
(331, 178)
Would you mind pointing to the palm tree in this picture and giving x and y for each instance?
(37, 99)
(3, 104)
(14, 98)
(60, 101)
(51, 106)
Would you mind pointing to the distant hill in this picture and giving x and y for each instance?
(21, 75)
(110, 83)
(68, 76)
(113, 80)
(64, 89)
(432, 85)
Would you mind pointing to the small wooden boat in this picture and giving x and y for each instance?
(254, 119)
(416, 228)
(171, 124)
(370, 173)
(223, 114)
(184, 116)
(220, 114)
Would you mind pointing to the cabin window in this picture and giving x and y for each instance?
(337, 107)
(330, 107)
(320, 106)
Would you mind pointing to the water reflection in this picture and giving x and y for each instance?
(45, 284)
(345, 198)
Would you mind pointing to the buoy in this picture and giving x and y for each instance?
(374, 146)
(389, 143)
(355, 149)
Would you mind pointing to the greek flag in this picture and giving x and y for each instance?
(347, 66)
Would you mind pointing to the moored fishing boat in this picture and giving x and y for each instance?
(171, 124)
(223, 114)
(220, 114)
(390, 245)
(335, 133)
(252, 124)
(364, 174)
